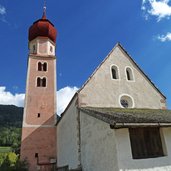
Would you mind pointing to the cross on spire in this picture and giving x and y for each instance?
(44, 10)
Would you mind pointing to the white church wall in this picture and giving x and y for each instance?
(67, 138)
(103, 91)
(127, 163)
(98, 148)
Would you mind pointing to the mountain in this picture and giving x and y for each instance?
(11, 116)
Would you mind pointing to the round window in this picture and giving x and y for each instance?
(126, 102)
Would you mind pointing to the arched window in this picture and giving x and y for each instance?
(45, 66)
(42, 66)
(129, 74)
(38, 82)
(114, 71)
(39, 66)
(41, 82)
(44, 82)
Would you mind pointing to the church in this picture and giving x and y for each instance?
(117, 120)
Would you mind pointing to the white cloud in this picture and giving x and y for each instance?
(164, 38)
(64, 96)
(2, 14)
(8, 98)
(2, 10)
(158, 8)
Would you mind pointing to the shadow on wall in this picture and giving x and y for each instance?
(38, 146)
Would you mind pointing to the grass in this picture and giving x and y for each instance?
(5, 149)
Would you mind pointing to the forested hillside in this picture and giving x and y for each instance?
(11, 115)
(10, 125)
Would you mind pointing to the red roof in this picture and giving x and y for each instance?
(44, 28)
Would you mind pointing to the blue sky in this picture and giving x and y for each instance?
(87, 31)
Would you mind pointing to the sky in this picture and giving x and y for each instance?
(87, 31)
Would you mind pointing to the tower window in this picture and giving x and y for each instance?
(38, 115)
(114, 72)
(41, 82)
(38, 82)
(129, 74)
(36, 155)
(51, 48)
(45, 66)
(42, 66)
(34, 48)
(44, 82)
(39, 66)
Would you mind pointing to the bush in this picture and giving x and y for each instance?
(10, 162)
(2, 158)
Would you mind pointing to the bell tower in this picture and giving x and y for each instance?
(38, 144)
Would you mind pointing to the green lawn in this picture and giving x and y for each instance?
(5, 149)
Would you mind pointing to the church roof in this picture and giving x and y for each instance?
(121, 47)
(125, 118)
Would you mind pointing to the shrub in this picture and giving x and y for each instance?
(10, 162)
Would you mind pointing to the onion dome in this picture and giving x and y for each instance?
(43, 28)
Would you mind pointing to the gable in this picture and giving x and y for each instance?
(101, 90)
